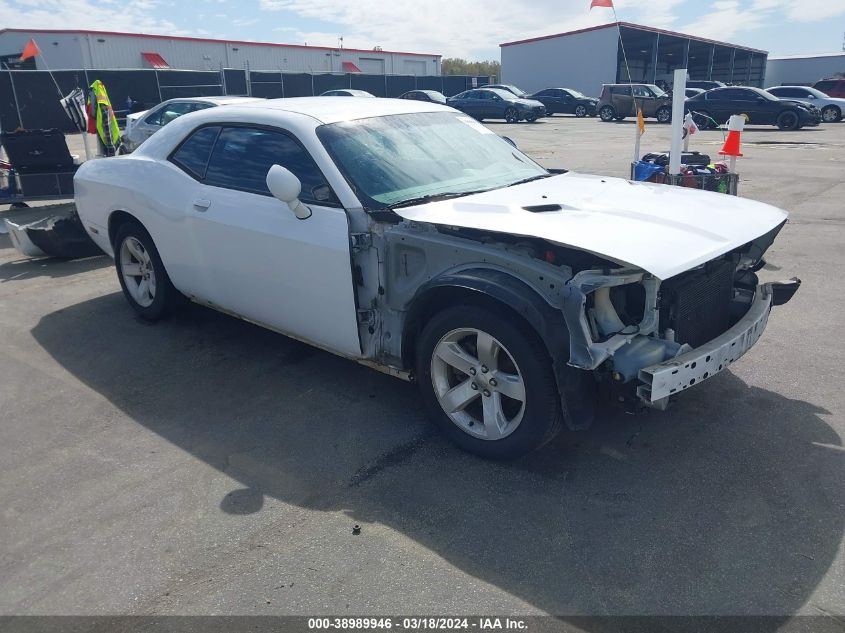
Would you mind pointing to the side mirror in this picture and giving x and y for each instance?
(511, 141)
(285, 186)
(811, 96)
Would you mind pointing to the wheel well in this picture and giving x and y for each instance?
(443, 297)
(118, 219)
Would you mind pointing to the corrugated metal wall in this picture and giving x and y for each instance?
(803, 71)
(81, 50)
(583, 61)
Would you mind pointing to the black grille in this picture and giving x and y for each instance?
(697, 305)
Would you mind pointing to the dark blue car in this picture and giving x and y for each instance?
(493, 103)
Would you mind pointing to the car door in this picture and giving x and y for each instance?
(718, 104)
(623, 103)
(763, 111)
(256, 258)
(493, 106)
(646, 100)
(547, 98)
(468, 103)
(565, 102)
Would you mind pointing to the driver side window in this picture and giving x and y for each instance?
(242, 156)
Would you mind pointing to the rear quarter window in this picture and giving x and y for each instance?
(193, 154)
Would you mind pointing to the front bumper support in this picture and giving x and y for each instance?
(662, 380)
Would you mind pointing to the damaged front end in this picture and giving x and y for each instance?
(650, 339)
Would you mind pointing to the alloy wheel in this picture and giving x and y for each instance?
(478, 384)
(136, 266)
(831, 115)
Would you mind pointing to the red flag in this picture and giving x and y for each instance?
(601, 3)
(30, 50)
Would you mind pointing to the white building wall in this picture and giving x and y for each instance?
(803, 70)
(58, 49)
(583, 61)
(82, 50)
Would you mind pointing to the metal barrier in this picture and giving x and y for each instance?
(29, 98)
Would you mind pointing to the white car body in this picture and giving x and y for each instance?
(142, 125)
(348, 279)
(832, 108)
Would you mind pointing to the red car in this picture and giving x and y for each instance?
(832, 87)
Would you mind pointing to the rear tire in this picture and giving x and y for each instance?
(788, 120)
(607, 113)
(149, 292)
(489, 420)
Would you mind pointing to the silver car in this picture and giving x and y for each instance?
(142, 125)
(832, 108)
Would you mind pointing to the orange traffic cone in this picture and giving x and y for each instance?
(735, 125)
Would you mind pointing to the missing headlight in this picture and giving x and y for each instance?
(629, 301)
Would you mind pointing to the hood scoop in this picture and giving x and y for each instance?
(543, 208)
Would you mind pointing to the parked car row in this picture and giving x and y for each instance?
(711, 102)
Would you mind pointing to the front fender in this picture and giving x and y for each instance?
(577, 388)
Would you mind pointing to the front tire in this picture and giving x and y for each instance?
(788, 120)
(607, 113)
(487, 382)
(580, 111)
(831, 114)
(511, 115)
(141, 273)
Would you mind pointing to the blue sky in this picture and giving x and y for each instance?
(454, 28)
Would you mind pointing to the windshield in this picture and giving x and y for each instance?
(393, 159)
(818, 94)
(578, 95)
(658, 92)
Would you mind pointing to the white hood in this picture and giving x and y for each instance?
(661, 229)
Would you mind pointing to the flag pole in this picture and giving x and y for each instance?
(638, 131)
(61, 96)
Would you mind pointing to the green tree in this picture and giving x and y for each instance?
(458, 66)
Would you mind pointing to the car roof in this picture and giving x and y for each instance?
(337, 109)
(219, 100)
(499, 91)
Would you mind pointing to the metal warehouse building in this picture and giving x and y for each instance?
(804, 70)
(587, 58)
(105, 50)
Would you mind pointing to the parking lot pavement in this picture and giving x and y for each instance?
(204, 465)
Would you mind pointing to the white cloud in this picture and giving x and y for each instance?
(460, 27)
(133, 15)
(725, 18)
(474, 28)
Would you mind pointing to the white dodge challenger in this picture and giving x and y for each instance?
(407, 236)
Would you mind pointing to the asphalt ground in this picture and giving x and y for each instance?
(203, 465)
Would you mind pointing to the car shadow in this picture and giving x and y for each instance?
(24, 267)
(728, 503)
